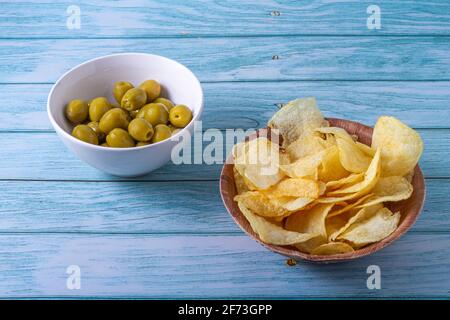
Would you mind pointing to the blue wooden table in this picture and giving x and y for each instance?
(167, 235)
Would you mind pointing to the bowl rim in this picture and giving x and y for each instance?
(291, 252)
(60, 130)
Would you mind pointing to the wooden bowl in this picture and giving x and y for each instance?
(409, 208)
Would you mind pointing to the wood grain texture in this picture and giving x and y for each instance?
(29, 19)
(151, 207)
(247, 58)
(416, 103)
(159, 266)
(170, 237)
(23, 158)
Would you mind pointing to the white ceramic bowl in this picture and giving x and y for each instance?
(96, 78)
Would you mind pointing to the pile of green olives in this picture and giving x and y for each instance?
(141, 118)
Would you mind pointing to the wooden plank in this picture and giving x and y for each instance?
(149, 266)
(416, 103)
(250, 59)
(42, 156)
(150, 207)
(231, 18)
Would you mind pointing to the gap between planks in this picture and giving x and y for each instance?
(244, 36)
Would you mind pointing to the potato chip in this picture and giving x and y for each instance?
(261, 204)
(296, 203)
(322, 187)
(335, 223)
(307, 144)
(303, 167)
(311, 244)
(359, 189)
(331, 168)
(375, 228)
(337, 132)
(310, 221)
(389, 189)
(350, 179)
(332, 248)
(241, 186)
(271, 233)
(401, 146)
(360, 215)
(296, 118)
(352, 158)
(350, 206)
(409, 176)
(296, 187)
(369, 151)
(258, 161)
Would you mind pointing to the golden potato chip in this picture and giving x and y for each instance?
(294, 204)
(331, 168)
(322, 187)
(296, 187)
(261, 204)
(271, 233)
(311, 244)
(369, 151)
(360, 215)
(337, 132)
(332, 248)
(352, 158)
(303, 167)
(307, 144)
(350, 179)
(296, 118)
(349, 206)
(239, 182)
(409, 176)
(389, 189)
(359, 189)
(310, 221)
(335, 223)
(401, 146)
(258, 161)
(375, 228)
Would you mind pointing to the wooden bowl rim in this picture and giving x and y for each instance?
(289, 251)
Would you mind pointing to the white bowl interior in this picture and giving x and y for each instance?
(96, 78)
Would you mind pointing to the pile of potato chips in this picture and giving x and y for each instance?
(322, 191)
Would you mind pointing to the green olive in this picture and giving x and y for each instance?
(98, 107)
(85, 133)
(169, 105)
(140, 129)
(155, 113)
(133, 99)
(114, 118)
(152, 88)
(141, 144)
(104, 144)
(162, 132)
(77, 111)
(120, 88)
(119, 138)
(95, 126)
(180, 116)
